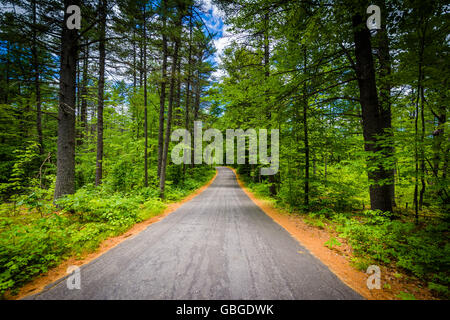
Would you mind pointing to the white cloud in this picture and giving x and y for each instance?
(220, 44)
(215, 25)
(210, 7)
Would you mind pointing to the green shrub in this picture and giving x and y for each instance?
(31, 243)
(332, 242)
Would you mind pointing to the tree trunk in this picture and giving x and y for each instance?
(36, 82)
(373, 117)
(179, 115)
(83, 111)
(162, 180)
(272, 185)
(8, 63)
(198, 89)
(65, 171)
(101, 87)
(145, 104)
(422, 147)
(196, 97)
(134, 60)
(162, 97)
(440, 155)
(188, 86)
(420, 96)
(385, 92)
(305, 131)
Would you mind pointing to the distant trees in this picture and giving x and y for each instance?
(64, 89)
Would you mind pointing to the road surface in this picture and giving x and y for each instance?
(219, 245)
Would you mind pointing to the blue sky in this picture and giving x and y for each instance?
(213, 19)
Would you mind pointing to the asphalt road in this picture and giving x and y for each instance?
(219, 245)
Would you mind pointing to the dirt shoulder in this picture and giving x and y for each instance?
(338, 260)
(59, 271)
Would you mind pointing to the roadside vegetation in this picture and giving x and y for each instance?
(36, 236)
(420, 251)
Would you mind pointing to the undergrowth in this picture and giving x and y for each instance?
(422, 251)
(36, 236)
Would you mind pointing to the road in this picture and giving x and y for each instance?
(219, 245)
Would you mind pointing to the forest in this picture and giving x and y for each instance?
(86, 117)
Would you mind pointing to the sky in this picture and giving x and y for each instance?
(214, 20)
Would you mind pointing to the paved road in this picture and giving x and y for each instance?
(219, 245)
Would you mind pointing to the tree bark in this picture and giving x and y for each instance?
(440, 155)
(65, 163)
(373, 117)
(36, 82)
(83, 111)
(178, 116)
(385, 92)
(188, 87)
(162, 97)
(272, 185)
(134, 60)
(8, 63)
(162, 180)
(101, 89)
(145, 104)
(305, 132)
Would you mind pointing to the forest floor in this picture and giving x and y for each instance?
(59, 271)
(395, 285)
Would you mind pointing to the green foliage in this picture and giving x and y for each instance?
(115, 209)
(27, 250)
(20, 178)
(38, 238)
(439, 289)
(332, 242)
(422, 251)
(406, 296)
(315, 221)
(361, 263)
(288, 73)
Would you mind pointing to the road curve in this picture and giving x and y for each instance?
(219, 245)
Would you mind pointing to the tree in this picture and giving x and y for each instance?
(65, 175)
(162, 94)
(173, 79)
(375, 119)
(101, 88)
